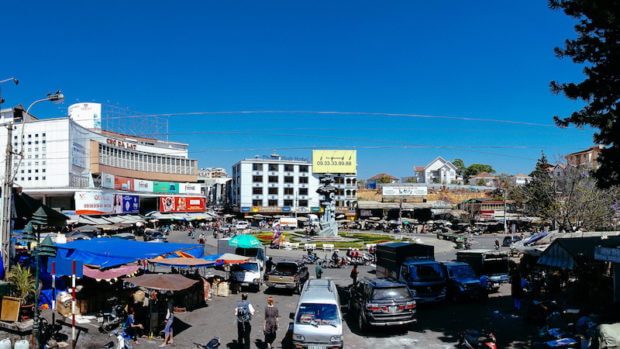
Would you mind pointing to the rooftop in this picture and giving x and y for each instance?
(381, 175)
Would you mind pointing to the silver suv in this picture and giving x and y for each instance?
(318, 320)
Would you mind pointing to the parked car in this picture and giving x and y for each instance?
(249, 274)
(462, 282)
(288, 274)
(382, 302)
(155, 236)
(509, 240)
(317, 321)
(242, 225)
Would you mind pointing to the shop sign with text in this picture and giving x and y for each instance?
(181, 204)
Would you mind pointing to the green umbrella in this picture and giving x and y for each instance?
(244, 241)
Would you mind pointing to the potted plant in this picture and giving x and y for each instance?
(23, 284)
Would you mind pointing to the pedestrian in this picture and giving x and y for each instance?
(318, 270)
(131, 327)
(354, 273)
(516, 290)
(268, 265)
(272, 322)
(168, 336)
(244, 312)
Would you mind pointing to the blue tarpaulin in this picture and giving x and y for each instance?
(108, 252)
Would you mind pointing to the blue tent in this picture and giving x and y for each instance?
(108, 252)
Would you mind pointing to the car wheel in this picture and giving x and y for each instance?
(361, 324)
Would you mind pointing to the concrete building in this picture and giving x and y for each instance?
(521, 179)
(274, 184)
(585, 158)
(373, 182)
(483, 177)
(213, 182)
(72, 167)
(437, 171)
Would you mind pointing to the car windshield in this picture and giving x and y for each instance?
(286, 268)
(461, 272)
(426, 272)
(316, 314)
(396, 293)
(246, 267)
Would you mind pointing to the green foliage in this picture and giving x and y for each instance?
(410, 180)
(481, 182)
(22, 280)
(384, 179)
(596, 47)
(475, 169)
(460, 166)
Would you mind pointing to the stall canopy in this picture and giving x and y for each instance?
(565, 253)
(165, 282)
(108, 252)
(26, 206)
(184, 262)
(110, 273)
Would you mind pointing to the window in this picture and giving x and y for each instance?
(273, 167)
(43, 135)
(288, 179)
(22, 171)
(29, 171)
(43, 178)
(36, 171)
(43, 170)
(289, 168)
(272, 203)
(22, 179)
(36, 142)
(36, 178)
(43, 141)
(303, 168)
(257, 202)
(257, 191)
(288, 191)
(273, 179)
(303, 180)
(257, 179)
(29, 178)
(303, 203)
(29, 136)
(303, 191)
(273, 191)
(257, 167)
(288, 202)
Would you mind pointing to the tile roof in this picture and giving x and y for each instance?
(381, 175)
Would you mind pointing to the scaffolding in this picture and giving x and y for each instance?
(126, 121)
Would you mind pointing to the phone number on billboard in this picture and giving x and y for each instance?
(333, 163)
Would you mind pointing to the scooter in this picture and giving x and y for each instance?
(120, 340)
(213, 344)
(109, 321)
(472, 339)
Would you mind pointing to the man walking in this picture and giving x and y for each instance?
(244, 312)
(318, 270)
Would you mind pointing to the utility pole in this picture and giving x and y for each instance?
(7, 185)
(505, 223)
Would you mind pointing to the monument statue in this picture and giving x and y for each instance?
(328, 224)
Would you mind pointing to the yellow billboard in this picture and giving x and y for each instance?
(334, 161)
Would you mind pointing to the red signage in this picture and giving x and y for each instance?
(181, 204)
(122, 183)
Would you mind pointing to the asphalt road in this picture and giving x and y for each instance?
(438, 325)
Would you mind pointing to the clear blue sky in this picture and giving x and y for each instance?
(490, 59)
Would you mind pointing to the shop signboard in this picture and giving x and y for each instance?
(404, 190)
(315, 209)
(365, 213)
(93, 202)
(107, 180)
(181, 204)
(245, 209)
(334, 161)
(123, 183)
(189, 188)
(165, 187)
(286, 209)
(126, 203)
(142, 185)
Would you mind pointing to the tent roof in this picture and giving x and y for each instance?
(183, 262)
(167, 282)
(25, 206)
(109, 252)
(564, 253)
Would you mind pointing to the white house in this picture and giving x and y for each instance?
(488, 179)
(521, 179)
(437, 171)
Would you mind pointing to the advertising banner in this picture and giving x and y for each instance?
(123, 183)
(334, 161)
(404, 190)
(142, 185)
(78, 155)
(165, 187)
(93, 202)
(107, 180)
(126, 203)
(189, 188)
(181, 204)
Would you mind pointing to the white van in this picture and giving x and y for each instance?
(249, 274)
(317, 322)
(242, 225)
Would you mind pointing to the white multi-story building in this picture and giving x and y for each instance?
(437, 171)
(274, 184)
(214, 184)
(63, 158)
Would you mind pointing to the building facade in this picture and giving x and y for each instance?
(437, 171)
(89, 170)
(214, 183)
(585, 158)
(483, 178)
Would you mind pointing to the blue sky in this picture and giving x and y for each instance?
(484, 59)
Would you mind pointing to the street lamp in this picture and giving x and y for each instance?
(15, 81)
(43, 249)
(56, 98)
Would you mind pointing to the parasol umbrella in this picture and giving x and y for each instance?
(165, 282)
(231, 258)
(374, 218)
(244, 241)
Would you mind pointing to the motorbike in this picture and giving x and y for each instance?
(332, 263)
(120, 340)
(472, 339)
(109, 321)
(310, 259)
